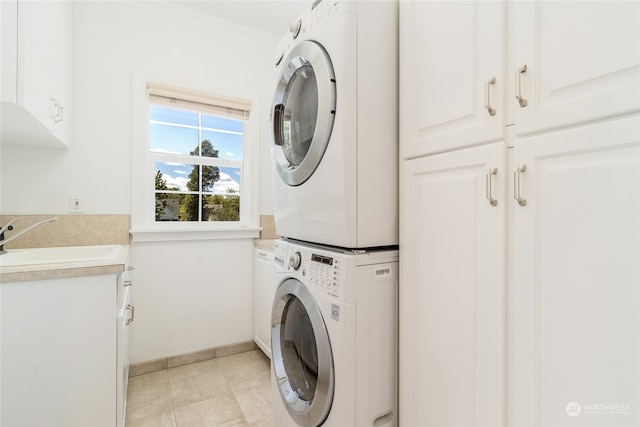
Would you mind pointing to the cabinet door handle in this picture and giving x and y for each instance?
(516, 185)
(57, 111)
(487, 96)
(133, 313)
(488, 187)
(523, 102)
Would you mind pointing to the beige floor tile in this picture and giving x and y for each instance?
(256, 403)
(165, 419)
(186, 390)
(147, 395)
(158, 405)
(245, 370)
(265, 422)
(233, 390)
(194, 369)
(211, 413)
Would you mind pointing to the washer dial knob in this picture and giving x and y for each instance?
(295, 260)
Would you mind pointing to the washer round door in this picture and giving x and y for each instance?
(301, 354)
(303, 112)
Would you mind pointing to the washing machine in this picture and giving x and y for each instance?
(334, 132)
(334, 336)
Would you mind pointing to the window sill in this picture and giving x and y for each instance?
(163, 235)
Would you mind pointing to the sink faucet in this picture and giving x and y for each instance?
(9, 227)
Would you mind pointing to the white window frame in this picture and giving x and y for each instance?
(144, 227)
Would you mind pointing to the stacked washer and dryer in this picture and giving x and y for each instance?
(335, 178)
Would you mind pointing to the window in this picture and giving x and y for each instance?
(196, 150)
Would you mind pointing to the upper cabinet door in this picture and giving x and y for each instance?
(36, 89)
(582, 62)
(451, 75)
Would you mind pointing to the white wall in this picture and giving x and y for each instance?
(188, 295)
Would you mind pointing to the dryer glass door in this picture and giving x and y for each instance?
(301, 354)
(303, 112)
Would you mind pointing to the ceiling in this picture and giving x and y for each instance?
(271, 16)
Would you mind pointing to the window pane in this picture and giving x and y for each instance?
(173, 139)
(174, 176)
(221, 208)
(221, 123)
(172, 115)
(168, 206)
(227, 145)
(228, 182)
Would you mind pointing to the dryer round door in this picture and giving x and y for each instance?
(301, 354)
(303, 112)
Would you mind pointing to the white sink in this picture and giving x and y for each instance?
(60, 255)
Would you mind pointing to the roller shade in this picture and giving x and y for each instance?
(192, 100)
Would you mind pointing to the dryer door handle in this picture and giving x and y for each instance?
(278, 117)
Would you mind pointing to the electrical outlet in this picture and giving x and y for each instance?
(75, 206)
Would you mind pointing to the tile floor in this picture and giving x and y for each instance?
(228, 391)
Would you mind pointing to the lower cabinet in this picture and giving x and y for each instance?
(124, 319)
(60, 345)
(453, 290)
(263, 291)
(574, 278)
(520, 282)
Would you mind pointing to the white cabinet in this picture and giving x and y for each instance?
(569, 63)
(568, 275)
(574, 288)
(36, 77)
(263, 291)
(450, 54)
(452, 306)
(582, 62)
(124, 320)
(60, 352)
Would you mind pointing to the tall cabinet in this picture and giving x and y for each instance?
(520, 213)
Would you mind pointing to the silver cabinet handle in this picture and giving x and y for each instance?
(489, 189)
(487, 96)
(516, 185)
(523, 102)
(133, 313)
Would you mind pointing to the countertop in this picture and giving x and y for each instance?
(69, 269)
(267, 244)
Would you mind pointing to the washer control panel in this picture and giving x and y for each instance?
(318, 270)
(324, 273)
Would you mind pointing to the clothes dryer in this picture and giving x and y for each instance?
(334, 336)
(334, 132)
